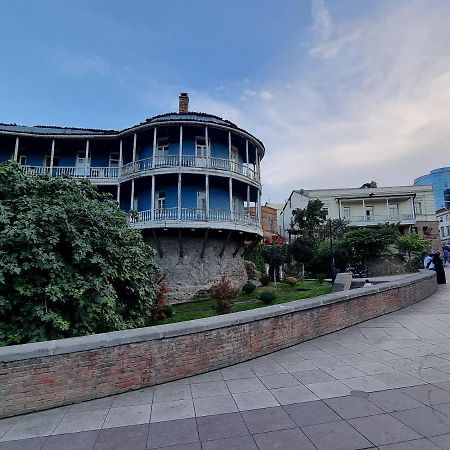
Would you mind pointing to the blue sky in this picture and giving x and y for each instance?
(341, 91)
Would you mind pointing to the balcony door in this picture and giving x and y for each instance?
(82, 164)
(234, 159)
(201, 205)
(201, 151)
(369, 214)
(161, 152)
(393, 212)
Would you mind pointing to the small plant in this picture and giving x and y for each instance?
(291, 281)
(321, 277)
(168, 311)
(225, 293)
(265, 280)
(267, 297)
(159, 305)
(248, 288)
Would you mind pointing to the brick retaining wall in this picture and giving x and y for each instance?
(48, 374)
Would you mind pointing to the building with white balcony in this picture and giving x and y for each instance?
(187, 179)
(443, 218)
(411, 207)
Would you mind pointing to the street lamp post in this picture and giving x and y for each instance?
(333, 266)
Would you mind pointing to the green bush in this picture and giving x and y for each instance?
(291, 281)
(265, 280)
(225, 293)
(267, 297)
(320, 277)
(248, 288)
(168, 311)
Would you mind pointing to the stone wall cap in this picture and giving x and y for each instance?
(136, 335)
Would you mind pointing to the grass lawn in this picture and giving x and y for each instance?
(206, 307)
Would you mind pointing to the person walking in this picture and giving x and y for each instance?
(446, 255)
(439, 268)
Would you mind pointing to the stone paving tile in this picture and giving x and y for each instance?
(335, 436)
(81, 421)
(444, 408)
(178, 409)
(255, 400)
(329, 389)
(352, 407)
(427, 394)
(235, 443)
(128, 415)
(430, 361)
(140, 397)
(316, 354)
(93, 405)
(165, 393)
(206, 377)
(7, 424)
(24, 444)
(234, 372)
(221, 426)
(426, 421)
(298, 366)
(279, 380)
(73, 441)
(245, 385)
(271, 369)
(442, 441)
(296, 394)
(430, 375)
(268, 419)
(220, 404)
(374, 368)
(175, 432)
(393, 400)
(398, 379)
(290, 439)
(132, 437)
(383, 429)
(311, 413)
(445, 385)
(343, 372)
(312, 376)
(209, 389)
(367, 383)
(382, 356)
(419, 444)
(325, 363)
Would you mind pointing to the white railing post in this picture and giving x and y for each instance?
(86, 158)
(152, 200)
(16, 150)
(119, 172)
(52, 155)
(132, 195)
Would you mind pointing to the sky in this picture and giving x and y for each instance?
(341, 92)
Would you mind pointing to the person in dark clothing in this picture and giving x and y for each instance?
(439, 268)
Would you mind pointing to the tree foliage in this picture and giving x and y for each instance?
(69, 263)
(411, 243)
(302, 249)
(308, 221)
(275, 255)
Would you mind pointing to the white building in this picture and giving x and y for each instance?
(443, 218)
(412, 207)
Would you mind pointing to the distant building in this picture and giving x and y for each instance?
(412, 207)
(269, 224)
(443, 218)
(440, 180)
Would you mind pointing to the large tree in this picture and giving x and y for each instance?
(70, 263)
(309, 221)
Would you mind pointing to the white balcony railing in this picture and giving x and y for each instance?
(193, 214)
(74, 172)
(376, 219)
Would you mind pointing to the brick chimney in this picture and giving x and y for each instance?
(183, 103)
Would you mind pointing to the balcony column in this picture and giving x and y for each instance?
(248, 200)
(364, 209)
(134, 148)
(387, 208)
(180, 157)
(208, 155)
(179, 197)
(52, 155)
(118, 193)
(207, 196)
(152, 200)
(16, 150)
(86, 158)
(258, 204)
(119, 171)
(340, 212)
(132, 195)
(155, 133)
(229, 149)
(413, 210)
(246, 159)
(230, 190)
(256, 163)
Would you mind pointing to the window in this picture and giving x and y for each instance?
(347, 212)
(162, 148)
(442, 232)
(135, 203)
(446, 217)
(160, 200)
(393, 212)
(22, 160)
(414, 230)
(448, 230)
(418, 208)
(114, 159)
(201, 149)
(201, 200)
(441, 219)
(271, 225)
(369, 213)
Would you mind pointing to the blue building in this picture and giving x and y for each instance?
(189, 180)
(440, 180)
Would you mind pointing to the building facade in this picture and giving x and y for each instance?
(411, 207)
(188, 180)
(443, 218)
(440, 180)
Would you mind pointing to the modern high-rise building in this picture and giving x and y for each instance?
(188, 179)
(440, 180)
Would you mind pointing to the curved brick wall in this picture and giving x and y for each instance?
(48, 374)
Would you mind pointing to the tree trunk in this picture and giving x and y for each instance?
(275, 275)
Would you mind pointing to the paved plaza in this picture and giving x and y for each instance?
(382, 384)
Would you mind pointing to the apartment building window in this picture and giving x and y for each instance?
(369, 213)
(448, 230)
(414, 230)
(418, 208)
(442, 232)
(441, 219)
(162, 148)
(160, 200)
(271, 225)
(114, 159)
(347, 212)
(22, 160)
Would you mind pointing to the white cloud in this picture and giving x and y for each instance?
(81, 65)
(322, 23)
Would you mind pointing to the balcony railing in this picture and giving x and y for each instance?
(74, 172)
(193, 215)
(380, 219)
(158, 162)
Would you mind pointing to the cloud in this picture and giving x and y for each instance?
(322, 23)
(79, 65)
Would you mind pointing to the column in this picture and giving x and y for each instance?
(120, 158)
(248, 201)
(364, 209)
(52, 155)
(230, 190)
(152, 200)
(258, 203)
(229, 149)
(154, 145)
(246, 158)
(132, 195)
(340, 211)
(207, 147)
(387, 207)
(86, 158)
(207, 196)
(256, 163)
(412, 207)
(118, 194)
(179, 196)
(16, 150)
(181, 145)
(134, 147)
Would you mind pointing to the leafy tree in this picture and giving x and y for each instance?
(411, 243)
(308, 221)
(302, 249)
(70, 263)
(321, 260)
(256, 256)
(275, 256)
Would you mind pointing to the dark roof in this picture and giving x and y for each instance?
(50, 129)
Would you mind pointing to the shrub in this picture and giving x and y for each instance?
(320, 277)
(267, 297)
(265, 280)
(168, 311)
(248, 288)
(225, 293)
(291, 281)
(159, 305)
